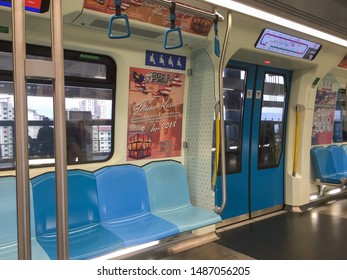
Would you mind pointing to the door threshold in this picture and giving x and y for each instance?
(238, 222)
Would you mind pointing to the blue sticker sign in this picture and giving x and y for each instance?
(165, 60)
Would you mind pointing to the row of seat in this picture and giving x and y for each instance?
(330, 164)
(110, 209)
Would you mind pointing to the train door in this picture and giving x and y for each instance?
(255, 103)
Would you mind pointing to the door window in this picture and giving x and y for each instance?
(234, 84)
(272, 121)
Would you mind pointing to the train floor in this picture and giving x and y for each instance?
(318, 234)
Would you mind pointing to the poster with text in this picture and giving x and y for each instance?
(153, 13)
(155, 114)
(324, 112)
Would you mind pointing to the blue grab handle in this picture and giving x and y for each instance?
(216, 46)
(124, 18)
(166, 35)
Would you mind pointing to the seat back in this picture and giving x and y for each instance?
(8, 211)
(8, 221)
(344, 146)
(339, 158)
(122, 192)
(83, 208)
(323, 162)
(167, 185)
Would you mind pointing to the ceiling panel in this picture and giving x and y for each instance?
(326, 15)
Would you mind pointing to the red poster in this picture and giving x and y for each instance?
(155, 114)
(151, 12)
(343, 63)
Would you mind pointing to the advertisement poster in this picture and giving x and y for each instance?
(324, 112)
(343, 63)
(155, 114)
(154, 13)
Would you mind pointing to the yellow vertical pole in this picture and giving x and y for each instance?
(296, 145)
(216, 158)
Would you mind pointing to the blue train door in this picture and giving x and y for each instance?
(255, 103)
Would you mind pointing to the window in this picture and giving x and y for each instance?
(340, 118)
(89, 100)
(234, 88)
(272, 121)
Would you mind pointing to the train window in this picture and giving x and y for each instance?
(234, 85)
(89, 101)
(5, 61)
(85, 69)
(271, 125)
(340, 118)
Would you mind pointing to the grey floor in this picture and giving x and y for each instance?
(318, 234)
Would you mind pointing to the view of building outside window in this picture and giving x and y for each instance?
(40, 114)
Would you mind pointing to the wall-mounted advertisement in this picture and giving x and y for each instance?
(154, 13)
(343, 63)
(324, 112)
(155, 114)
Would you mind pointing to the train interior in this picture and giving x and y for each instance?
(138, 95)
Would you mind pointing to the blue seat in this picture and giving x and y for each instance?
(324, 166)
(87, 238)
(344, 146)
(124, 206)
(339, 157)
(169, 197)
(8, 222)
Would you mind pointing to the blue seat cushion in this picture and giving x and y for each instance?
(9, 251)
(140, 230)
(189, 217)
(84, 243)
(332, 179)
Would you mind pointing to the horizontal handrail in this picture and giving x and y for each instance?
(191, 9)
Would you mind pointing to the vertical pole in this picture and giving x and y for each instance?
(21, 131)
(60, 130)
(220, 209)
(296, 145)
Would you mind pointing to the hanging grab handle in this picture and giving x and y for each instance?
(120, 18)
(173, 29)
(216, 39)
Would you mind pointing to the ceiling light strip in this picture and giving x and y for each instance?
(242, 8)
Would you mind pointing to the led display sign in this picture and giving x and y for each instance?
(278, 42)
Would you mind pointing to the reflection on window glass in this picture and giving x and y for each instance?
(72, 68)
(89, 100)
(234, 84)
(340, 118)
(271, 124)
(85, 69)
(88, 124)
(6, 61)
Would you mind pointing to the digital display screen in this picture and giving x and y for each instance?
(278, 42)
(37, 6)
